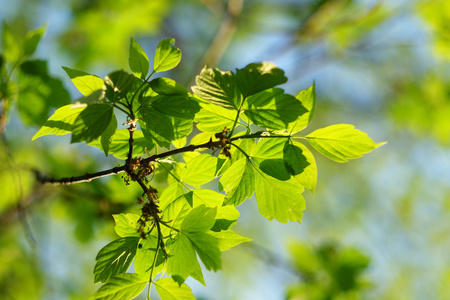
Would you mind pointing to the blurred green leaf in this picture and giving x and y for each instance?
(12, 48)
(166, 56)
(138, 60)
(32, 40)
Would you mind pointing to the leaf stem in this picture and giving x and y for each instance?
(174, 176)
(155, 259)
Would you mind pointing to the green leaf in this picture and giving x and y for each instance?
(178, 209)
(229, 239)
(12, 48)
(273, 109)
(225, 218)
(91, 123)
(122, 286)
(281, 200)
(168, 289)
(61, 122)
(294, 160)
(115, 258)
(176, 106)
(138, 60)
(94, 98)
(117, 85)
(84, 82)
(182, 259)
(168, 87)
(145, 255)
(213, 118)
(170, 194)
(119, 146)
(308, 100)
(200, 170)
(238, 182)
(107, 136)
(341, 142)
(308, 178)
(126, 224)
(207, 248)
(268, 155)
(166, 56)
(257, 77)
(199, 219)
(218, 87)
(32, 40)
(207, 197)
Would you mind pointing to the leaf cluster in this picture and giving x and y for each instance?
(253, 125)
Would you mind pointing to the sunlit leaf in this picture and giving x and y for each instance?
(294, 160)
(308, 178)
(281, 200)
(119, 146)
(168, 289)
(341, 142)
(176, 106)
(166, 56)
(308, 99)
(200, 219)
(183, 260)
(117, 85)
(145, 256)
(91, 122)
(107, 136)
(207, 197)
(61, 122)
(229, 239)
(273, 109)
(138, 60)
(258, 77)
(168, 87)
(238, 182)
(200, 170)
(213, 118)
(115, 258)
(121, 286)
(84, 82)
(207, 248)
(218, 87)
(126, 224)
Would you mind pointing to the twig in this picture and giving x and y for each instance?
(77, 179)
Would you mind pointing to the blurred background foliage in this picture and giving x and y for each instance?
(376, 228)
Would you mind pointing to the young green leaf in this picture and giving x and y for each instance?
(182, 260)
(229, 239)
(176, 106)
(294, 160)
(169, 289)
(207, 197)
(107, 136)
(281, 200)
(145, 255)
(84, 82)
(117, 85)
(213, 118)
(126, 224)
(207, 248)
(273, 109)
(200, 170)
(200, 219)
(225, 218)
(238, 182)
(167, 87)
(91, 123)
(218, 87)
(119, 146)
(268, 156)
(121, 286)
(12, 48)
(341, 142)
(258, 77)
(308, 99)
(61, 122)
(166, 56)
(32, 40)
(138, 60)
(115, 258)
(308, 178)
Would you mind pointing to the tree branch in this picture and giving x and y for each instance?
(77, 179)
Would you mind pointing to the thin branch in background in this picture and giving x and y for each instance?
(77, 179)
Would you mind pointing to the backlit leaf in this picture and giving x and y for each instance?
(168, 289)
(183, 260)
(229, 239)
(294, 160)
(213, 118)
(115, 258)
(273, 109)
(341, 142)
(258, 77)
(218, 87)
(207, 248)
(308, 99)
(238, 182)
(138, 60)
(200, 170)
(168, 87)
(107, 136)
(200, 219)
(121, 286)
(166, 56)
(117, 85)
(308, 178)
(176, 106)
(126, 224)
(84, 82)
(91, 123)
(145, 256)
(119, 146)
